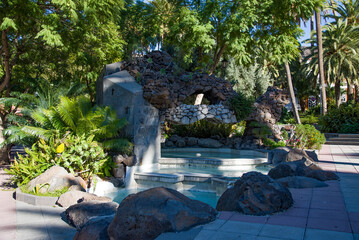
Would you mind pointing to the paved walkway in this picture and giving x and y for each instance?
(320, 213)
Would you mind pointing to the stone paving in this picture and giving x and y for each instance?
(320, 213)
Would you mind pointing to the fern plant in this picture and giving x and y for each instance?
(78, 117)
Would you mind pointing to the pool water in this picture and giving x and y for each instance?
(234, 172)
(207, 197)
(209, 155)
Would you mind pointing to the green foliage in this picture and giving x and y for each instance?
(56, 193)
(341, 120)
(60, 41)
(309, 119)
(286, 117)
(340, 45)
(80, 155)
(78, 117)
(252, 81)
(260, 130)
(83, 156)
(241, 105)
(304, 136)
(206, 129)
(273, 144)
(38, 160)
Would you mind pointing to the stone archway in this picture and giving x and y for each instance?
(147, 92)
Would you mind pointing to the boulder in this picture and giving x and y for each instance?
(169, 143)
(312, 154)
(119, 170)
(70, 198)
(149, 213)
(209, 143)
(286, 154)
(180, 143)
(278, 155)
(191, 141)
(300, 168)
(301, 182)
(255, 194)
(299, 155)
(55, 178)
(130, 161)
(95, 229)
(281, 171)
(124, 159)
(322, 175)
(79, 214)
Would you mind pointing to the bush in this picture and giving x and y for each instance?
(241, 105)
(344, 119)
(305, 136)
(286, 117)
(309, 119)
(79, 155)
(272, 144)
(78, 117)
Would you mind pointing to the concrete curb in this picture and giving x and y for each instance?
(35, 200)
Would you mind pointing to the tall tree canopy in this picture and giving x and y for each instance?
(59, 39)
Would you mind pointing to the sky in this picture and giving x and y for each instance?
(306, 29)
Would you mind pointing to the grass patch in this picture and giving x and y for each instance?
(56, 193)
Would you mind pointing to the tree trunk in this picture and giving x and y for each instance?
(4, 156)
(6, 52)
(337, 92)
(292, 95)
(350, 92)
(311, 28)
(217, 57)
(320, 62)
(356, 87)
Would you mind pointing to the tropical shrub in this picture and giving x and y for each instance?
(78, 117)
(252, 81)
(273, 144)
(37, 161)
(344, 119)
(79, 155)
(304, 136)
(241, 105)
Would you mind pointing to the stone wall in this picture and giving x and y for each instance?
(166, 86)
(268, 109)
(188, 114)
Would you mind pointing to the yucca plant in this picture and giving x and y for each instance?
(78, 117)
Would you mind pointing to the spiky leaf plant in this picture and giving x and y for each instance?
(78, 117)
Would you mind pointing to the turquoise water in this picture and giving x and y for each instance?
(211, 155)
(214, 171)
(206, 197)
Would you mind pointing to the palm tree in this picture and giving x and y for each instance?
(73, 116)
(348, 10)
(340, 57)
(320, 61)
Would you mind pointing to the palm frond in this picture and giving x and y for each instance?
(119, 144)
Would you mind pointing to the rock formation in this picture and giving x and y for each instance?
(165, 85)
(255, 194)
(268, 109)
(55, 178)
(79, 214)
(147, 214)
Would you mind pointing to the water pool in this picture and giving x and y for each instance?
(228, 172)
(211, 153)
